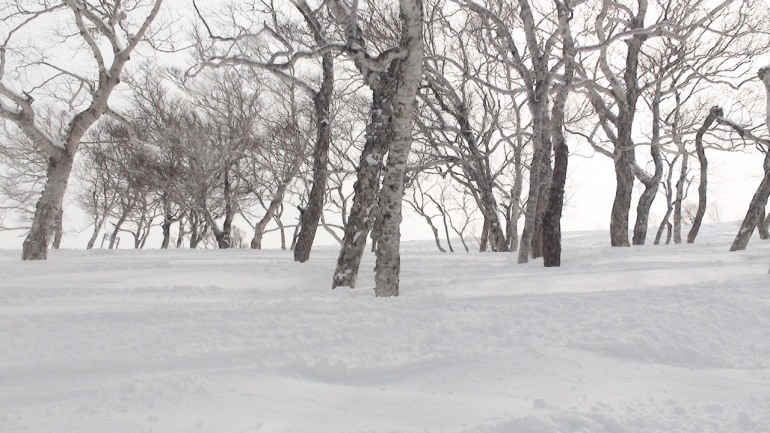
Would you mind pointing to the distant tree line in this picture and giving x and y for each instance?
(291, 116)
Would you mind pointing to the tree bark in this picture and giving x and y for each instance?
(681, 185)
(703, 185)
(365, 189)
(555, 205)
(650, 183)
(408, 75)
(539, 106)
(312, 214)
(542, 200)
(764, 234)
(36, 244)
(756, 210)
(58, 229)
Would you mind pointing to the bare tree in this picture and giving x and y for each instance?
(88, 100)
(290, 46)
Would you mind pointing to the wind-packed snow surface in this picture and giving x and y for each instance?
(645, 339)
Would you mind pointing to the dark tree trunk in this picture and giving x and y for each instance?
(553, 211)
(484, 237)
(650, 183)
(366, 188)
(714, 113)
(47, 209)
(624, 177)
(312, 214)
(756, 210)
(764, 234)
(168, 219)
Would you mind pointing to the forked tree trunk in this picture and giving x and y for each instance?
(312, 214)
(47, 208)
(365, 189)
(168, 219)
(714, 113)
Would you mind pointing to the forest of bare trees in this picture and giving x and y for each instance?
(216, 124)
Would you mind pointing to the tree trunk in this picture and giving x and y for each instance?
(702, 186)
(359, 221)
(555, 205)
(47, 208)
(58, 229)
(764, 234)
(518, 186)
(542, 202)
(167, 221)
(553, 211)
(681, 184)
(756, 210)
(312, 214)
(484, 237)
(540, 126)
(180, 236)
(650, 183)
(624, 177)
(407, 80)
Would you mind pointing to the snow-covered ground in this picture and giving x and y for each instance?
(662, 339)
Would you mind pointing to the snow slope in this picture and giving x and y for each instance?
(650, 339)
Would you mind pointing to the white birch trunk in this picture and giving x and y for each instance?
(390, 204)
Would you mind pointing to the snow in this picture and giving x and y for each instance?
(645, 339)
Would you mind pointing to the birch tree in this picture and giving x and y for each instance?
(393, 76)
(109, 32)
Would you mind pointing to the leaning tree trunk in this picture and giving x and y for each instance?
(312, 214)
(47, 208)
(118, 225)
(365, 189)
(407, 80)
(756, 210)
(764, 234)
(714, 113)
